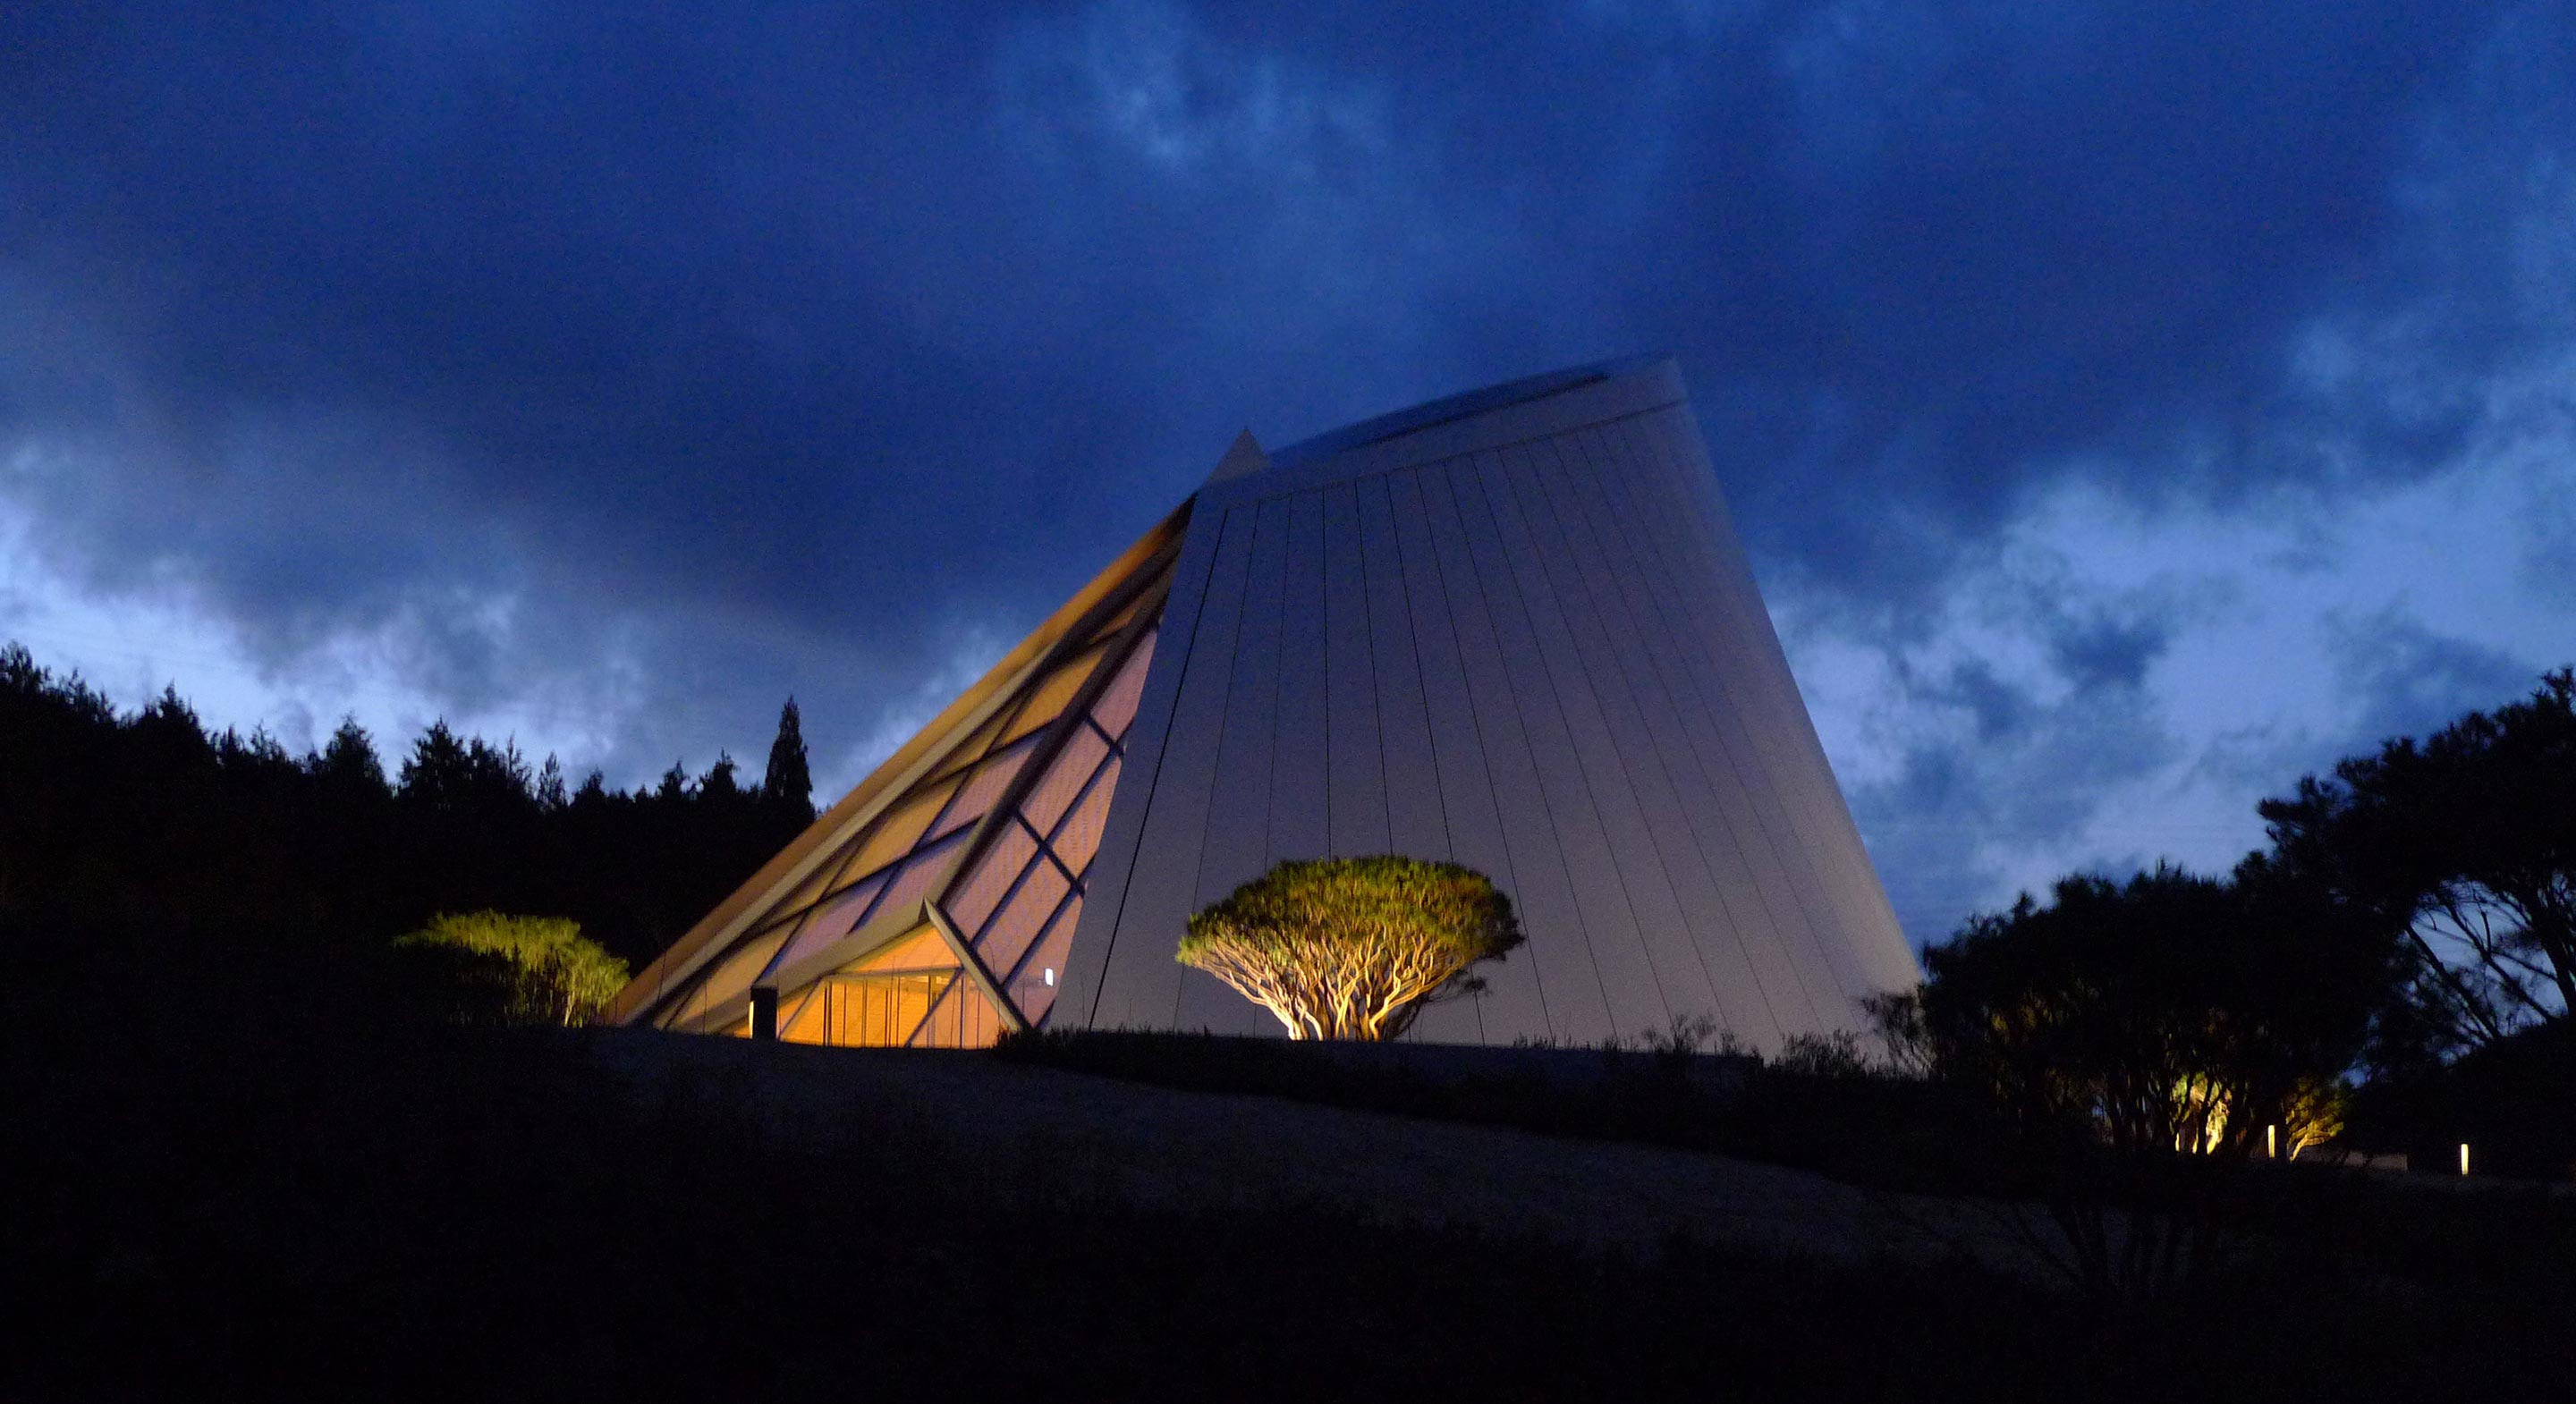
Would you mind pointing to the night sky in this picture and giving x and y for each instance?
(2128, 407)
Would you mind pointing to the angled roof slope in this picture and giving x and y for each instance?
(1511, 629)
(1014, 775)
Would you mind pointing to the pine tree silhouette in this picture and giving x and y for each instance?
(439, 773)
(550, 785)
(144, 828)
(789, 783)
(348, 765)
(718, 786)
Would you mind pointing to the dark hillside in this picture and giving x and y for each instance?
(244, 1191)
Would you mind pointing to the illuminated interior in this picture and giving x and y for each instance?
(944, 916)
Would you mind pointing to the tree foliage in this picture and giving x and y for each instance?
(2136, 1037)
(1353, 948)
(788, 782)
(533, 969)
(2169, 1013)
(2467, 843)
(146, 821)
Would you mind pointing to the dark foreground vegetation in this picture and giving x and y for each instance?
(254, 1156)
(2323, 1229)
(146, 818)
(241, 1190)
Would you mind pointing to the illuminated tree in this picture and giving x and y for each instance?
(2143, 1035)
(519, 969)
(2170, 1012)
(2311, 1115)
(1353, 948)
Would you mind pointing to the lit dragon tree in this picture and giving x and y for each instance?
(1353, 948)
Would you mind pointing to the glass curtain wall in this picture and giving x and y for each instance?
(1018, 900)
(1015, 897)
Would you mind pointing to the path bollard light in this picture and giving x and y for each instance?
(2272, 1142)
(2464, 1157)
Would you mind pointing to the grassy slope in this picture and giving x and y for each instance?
(233, 1186)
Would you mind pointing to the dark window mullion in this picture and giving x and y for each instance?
(975, 939)
(1045, 849)
(1046, 843)
(1040, 939)
(932, 833)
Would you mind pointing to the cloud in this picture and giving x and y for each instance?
(624, 376)
(2116, 684)
(2409, 680)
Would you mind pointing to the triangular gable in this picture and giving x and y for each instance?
(1241, 460)
(946, 821)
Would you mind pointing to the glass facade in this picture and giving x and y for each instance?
(997, 836)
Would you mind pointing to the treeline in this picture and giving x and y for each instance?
(147, 822)
(2394, 973)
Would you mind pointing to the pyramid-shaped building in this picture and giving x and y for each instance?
(1511, 629)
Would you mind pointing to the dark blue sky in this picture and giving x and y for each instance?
(2128, 406)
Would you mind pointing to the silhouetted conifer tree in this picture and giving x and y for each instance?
(348, 766)
(171, 736)
(498, 776)
(20, 678)
(144, 826)
(550, 785)
(438, 773)
(789, 783)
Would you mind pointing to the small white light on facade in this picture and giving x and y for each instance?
(1050, 977)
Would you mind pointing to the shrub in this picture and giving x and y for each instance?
(487, 966)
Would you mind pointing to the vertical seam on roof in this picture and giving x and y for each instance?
(1722, 708)
(1475, 717)
(1640, 602)
(1216, 744)
(1826, 930)
(1711, 707)
(1620, 603)
(1109, 936)
(1413, 642)
(1563, 504)
(1440, 785)
(1324, 636)
(1582, 928)
(1278, 662)
(1368, 633)
(1829, 822)
(1591, 786)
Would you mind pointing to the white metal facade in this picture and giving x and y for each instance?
(1512, 630)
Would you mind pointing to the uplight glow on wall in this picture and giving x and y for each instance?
(1510, 630)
